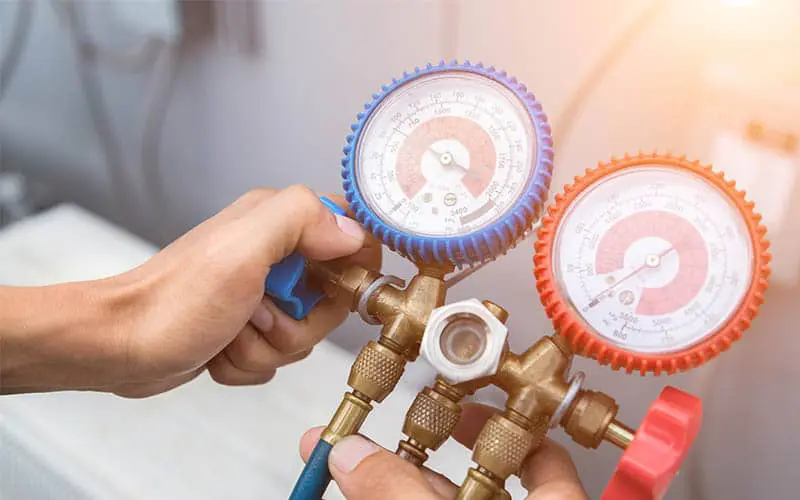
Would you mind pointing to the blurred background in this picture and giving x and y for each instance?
(125, 123)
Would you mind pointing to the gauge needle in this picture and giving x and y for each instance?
(446, 159)
(651, 261)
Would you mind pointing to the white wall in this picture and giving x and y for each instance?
(239, 121)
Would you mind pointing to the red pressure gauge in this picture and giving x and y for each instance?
(651, 263)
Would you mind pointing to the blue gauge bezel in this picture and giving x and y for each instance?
(486, 243)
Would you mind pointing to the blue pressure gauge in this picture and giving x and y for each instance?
(451, 163)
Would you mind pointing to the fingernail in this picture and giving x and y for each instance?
(350, 227)
(262, 318)
(350, 451)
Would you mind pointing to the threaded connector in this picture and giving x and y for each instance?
(376, 371)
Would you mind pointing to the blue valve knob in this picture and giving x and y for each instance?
(287, 282)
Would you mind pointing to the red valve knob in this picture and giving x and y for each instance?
(662, 442)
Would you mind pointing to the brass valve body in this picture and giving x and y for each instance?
(535, 382)
(379, 365)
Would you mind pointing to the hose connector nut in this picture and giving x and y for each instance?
(464, 341)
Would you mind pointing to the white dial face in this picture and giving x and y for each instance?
(445, 154)
(654, 259)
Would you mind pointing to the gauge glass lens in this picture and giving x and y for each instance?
(654, 259)
(445, 154)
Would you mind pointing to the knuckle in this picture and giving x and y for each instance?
(218, 374)
(304, 201)
(303, 354)
(266, 377)
(301, 194)
(290, 345)
(221, 369)
(241, 357)
(256, 195)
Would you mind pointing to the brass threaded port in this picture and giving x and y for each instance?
(497, 310)
(502, 446)
(376, 371)
(431, 419)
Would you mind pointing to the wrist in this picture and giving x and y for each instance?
(60, 337)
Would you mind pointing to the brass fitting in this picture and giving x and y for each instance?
(349, 417)
(403, 314)
(478, 485)
(376, 371)
(336, 278)
(502, 446)
(535, 381)
(430, 421)
(619, 435)
(590, 416)
(499, 452)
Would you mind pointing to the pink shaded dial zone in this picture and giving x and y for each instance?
(482, 159)
(687, 243)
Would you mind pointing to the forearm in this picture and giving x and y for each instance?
(58, 337)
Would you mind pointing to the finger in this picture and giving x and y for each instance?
(370, 255)
(441, 485)
(251, 352)
(473, 418)
(289, 336)
(365, 471)
(249, 200)
(295, 218)
(549, 474)
(309, 441)
(224, 372)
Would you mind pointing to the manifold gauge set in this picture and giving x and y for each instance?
(648, 263)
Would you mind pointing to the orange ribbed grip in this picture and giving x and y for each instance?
(583, 339)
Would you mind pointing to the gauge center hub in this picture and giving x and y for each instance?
(444, 165)
(653, 260)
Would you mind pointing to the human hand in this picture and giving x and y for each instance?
(198, 304)
(363, 470)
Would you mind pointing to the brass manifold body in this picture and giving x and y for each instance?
(540, 393)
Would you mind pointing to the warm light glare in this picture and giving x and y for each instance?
(739, 3)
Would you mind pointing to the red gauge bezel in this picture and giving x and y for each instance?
(584, 340)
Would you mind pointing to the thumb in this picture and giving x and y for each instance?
(363, 471)
(295, 219)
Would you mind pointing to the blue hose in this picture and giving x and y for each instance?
(315, 477)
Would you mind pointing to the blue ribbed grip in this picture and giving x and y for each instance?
(316, 476)
(287, 283)
(482, 245)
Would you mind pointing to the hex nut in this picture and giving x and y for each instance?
(486, 363)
